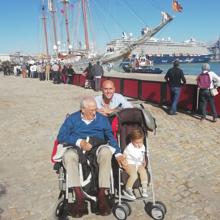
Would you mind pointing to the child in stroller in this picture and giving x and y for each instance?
(135, 156)
(133, 125)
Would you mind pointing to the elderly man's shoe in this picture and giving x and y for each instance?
(104, 207)
(77, 210)
(104, 204)
(79, 207)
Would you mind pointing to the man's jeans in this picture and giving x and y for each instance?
(174, 94)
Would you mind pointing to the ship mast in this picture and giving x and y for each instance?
(45, 28)
(65, 3)
(53, 11)
(84, 8)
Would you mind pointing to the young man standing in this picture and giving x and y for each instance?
(175, 78)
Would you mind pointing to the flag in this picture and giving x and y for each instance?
(176, 6)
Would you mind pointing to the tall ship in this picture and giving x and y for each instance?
(163, 51)
(82, 55)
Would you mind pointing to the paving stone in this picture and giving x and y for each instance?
(184, 154)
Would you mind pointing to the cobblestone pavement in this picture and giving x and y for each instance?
(184, 154)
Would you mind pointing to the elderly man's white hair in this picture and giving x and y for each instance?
(86, 100)
(205, 66)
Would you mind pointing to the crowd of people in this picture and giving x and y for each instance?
(57, 72)
(64, 73)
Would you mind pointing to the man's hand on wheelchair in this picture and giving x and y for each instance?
(105, 111)
(85, 146)
(108, 112)
(122, 162)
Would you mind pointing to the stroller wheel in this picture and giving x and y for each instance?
(127, 207)
(119, 211)
(162, 206)
(60, 210)
(155, 211)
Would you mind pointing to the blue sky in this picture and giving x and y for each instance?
(21, 23)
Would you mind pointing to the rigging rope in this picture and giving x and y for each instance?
(155, 4)
(133, 12)
(100, 20)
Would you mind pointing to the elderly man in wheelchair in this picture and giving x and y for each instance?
(78, 133)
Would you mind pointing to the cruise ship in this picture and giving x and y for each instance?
(163, 51)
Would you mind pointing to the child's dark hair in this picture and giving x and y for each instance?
(136, 133)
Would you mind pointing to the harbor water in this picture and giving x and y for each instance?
(191, 68)
(188, 68)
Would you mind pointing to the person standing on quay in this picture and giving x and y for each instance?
(47, 71)
(205, 95)
(97, 72)
(175, 78)
(24, 70)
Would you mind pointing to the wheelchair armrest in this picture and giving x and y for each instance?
(57, 166)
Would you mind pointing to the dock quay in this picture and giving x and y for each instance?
(184, 153)
(191, 79)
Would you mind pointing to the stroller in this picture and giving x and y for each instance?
(125, 121)
(122, 123)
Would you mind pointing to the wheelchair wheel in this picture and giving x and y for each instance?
(61, 209)
(119, 211)
(156, 211)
